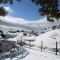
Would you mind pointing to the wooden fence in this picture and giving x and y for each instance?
(56, 50)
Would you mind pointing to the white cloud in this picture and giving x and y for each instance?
(15, 20)
(20, 21)
(8, 9)
(43, 20)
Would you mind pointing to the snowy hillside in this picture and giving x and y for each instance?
(49, 39)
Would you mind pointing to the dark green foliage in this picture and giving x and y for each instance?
(1, 31)
(7, 1)
(54, 27)
(50, 20)
(2, 34)
(59, 25)
(25, 34)
(48, 8)
(3, 12)
(0, 47)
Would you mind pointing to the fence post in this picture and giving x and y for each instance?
(21, 41)
(22, 54)
(22, 46)
(56, 48)
(41, 45)
(29, 44)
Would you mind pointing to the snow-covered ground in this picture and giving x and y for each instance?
(49, 40)
(36, 55)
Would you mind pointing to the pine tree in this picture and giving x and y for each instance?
(48, 8)
(3, 12)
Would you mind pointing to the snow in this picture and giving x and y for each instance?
(18, 37)
(38, 55)
(49, 40)
(29, 38)
(16, 54)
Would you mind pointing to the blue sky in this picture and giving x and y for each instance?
(24, 9)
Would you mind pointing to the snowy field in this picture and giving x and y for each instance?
(36, 55)
(49, 40)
